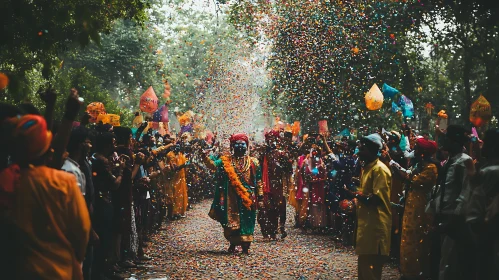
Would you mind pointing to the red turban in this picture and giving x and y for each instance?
(272, 134)
(239, 136)
(429, 147)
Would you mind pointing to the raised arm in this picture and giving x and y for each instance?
(62, 138)
(208, 162)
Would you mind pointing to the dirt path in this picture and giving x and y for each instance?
(194, 248)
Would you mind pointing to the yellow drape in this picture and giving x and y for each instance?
(177, 184)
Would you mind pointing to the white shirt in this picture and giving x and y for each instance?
(73, 167)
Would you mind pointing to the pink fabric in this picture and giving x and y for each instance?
(299, 178)
(209, 137)
(164, 113)
(316, 189)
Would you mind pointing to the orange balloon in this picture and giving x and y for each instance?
(148, 101)
(374, 98)
(480, 112)
(4, 81)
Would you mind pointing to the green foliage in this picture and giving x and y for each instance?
(38, 32)
(89, 87)
(127, 61)
(465, 43)
(128, 53)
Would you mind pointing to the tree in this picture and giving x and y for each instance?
(470, 31)
(37, 32)
(128, 61)
(327, 54)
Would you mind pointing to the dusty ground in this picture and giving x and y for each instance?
(194, 248)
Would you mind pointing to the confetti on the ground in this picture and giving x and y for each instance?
(194, 248)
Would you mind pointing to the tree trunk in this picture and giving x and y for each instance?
(468, 60)
(492, 85)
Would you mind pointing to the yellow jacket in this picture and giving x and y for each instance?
(374, 222)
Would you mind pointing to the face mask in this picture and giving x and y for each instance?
(240, 148)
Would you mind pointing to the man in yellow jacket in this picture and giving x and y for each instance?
(374, 217)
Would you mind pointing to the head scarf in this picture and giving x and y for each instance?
(239, 137)
(272, 134)
(429, 147)
(376, 139)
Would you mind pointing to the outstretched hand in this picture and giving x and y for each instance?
(73, 105)
(48, 96)
(85, 118)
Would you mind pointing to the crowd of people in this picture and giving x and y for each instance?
(80, 201)
(398, 194)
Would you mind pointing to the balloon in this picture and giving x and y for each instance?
(323, 129)
(156, 116)
(389, 92)
(95, 109)
(4, 81)
(296, 128)
(374, 98)
(149, 101)
(407, 106)
(164, 114)
(480, 112)
(395, 107)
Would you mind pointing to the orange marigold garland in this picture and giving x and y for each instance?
(236, 183)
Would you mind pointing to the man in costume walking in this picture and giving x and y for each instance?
(275, 176)
(239, 185)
